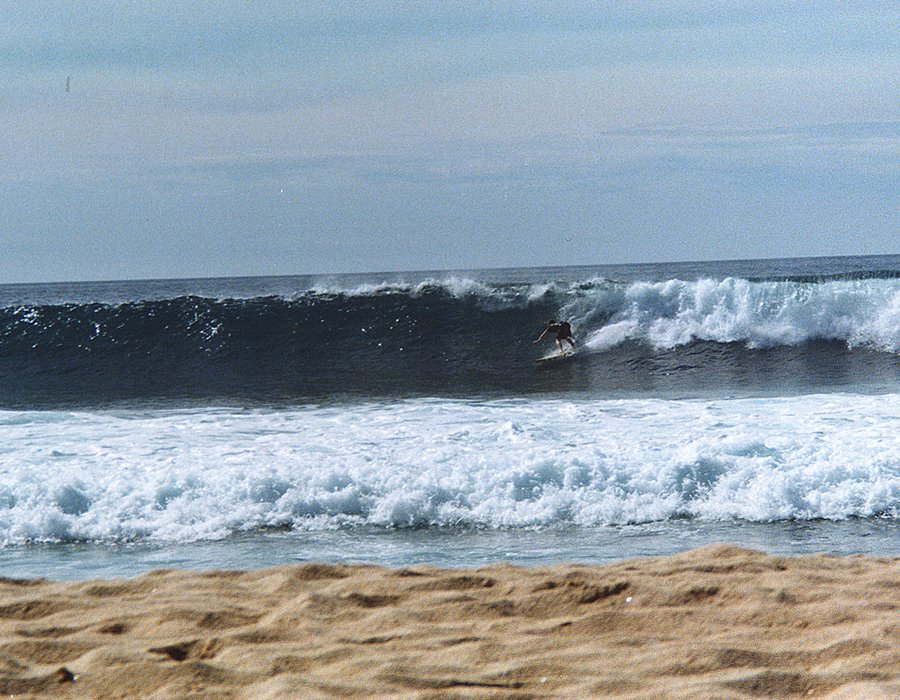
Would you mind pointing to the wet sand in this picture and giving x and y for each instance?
(718, 622)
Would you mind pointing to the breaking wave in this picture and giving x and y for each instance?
(454, 336)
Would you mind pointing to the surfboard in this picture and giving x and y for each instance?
(556, 357)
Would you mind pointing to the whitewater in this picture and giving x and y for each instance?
(423, 463)
(401, 416)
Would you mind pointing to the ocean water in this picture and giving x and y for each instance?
(401, 417)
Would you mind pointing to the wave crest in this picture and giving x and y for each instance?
(760, 314)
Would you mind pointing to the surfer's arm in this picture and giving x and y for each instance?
(543, 335)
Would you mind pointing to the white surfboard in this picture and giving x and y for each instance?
(556, 356)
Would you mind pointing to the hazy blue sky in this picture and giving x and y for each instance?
(244, 138)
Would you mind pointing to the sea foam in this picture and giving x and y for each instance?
(205, 474)
(757, 313)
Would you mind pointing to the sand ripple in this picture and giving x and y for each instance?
(716, 622)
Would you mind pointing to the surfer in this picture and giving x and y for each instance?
(563, 332)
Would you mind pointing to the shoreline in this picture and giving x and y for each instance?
(718, 621)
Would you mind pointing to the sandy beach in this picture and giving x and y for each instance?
(717, 622)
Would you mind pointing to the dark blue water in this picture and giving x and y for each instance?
(694, 328)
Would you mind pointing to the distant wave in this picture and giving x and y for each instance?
(453, 335)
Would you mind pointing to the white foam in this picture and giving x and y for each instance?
(760, 314)
(183, 476)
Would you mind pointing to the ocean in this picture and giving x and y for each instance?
(401, 417)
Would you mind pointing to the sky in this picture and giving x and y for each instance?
(198, 139)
